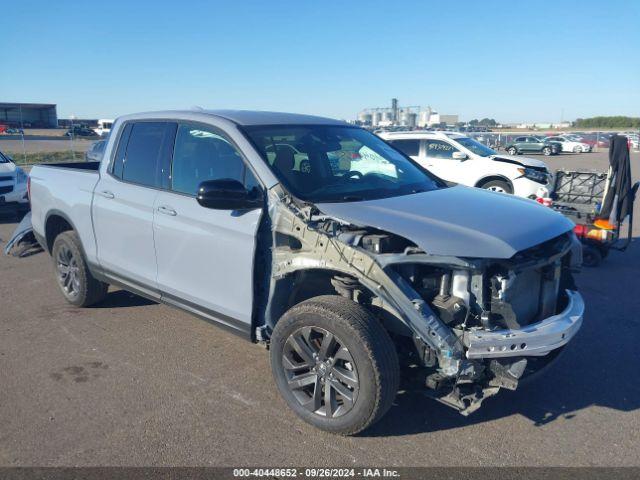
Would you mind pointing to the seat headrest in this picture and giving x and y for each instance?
(285, 159)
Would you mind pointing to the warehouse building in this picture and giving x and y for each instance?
(30, 115)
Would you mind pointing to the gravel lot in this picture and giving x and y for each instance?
(130, 382)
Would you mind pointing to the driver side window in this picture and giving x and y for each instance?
(200, 154)
(440, 149)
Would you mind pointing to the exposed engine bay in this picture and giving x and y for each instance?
(463, 327)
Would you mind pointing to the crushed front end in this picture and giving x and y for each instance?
(463, 327)
(512, 317)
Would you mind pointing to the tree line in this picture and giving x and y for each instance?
(618, 121)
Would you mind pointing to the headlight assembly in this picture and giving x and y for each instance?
(21, 176)
(535, 175)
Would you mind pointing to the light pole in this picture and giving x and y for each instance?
(71, 132)
(24, 149)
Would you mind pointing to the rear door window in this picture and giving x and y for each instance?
(409, 147)
(146, 153)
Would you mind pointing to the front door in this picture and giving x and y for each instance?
(205, 257)
(439, 160)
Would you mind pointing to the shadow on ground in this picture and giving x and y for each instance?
(123, 299)
(599, 367)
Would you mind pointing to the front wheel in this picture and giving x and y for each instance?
(512, 151)
(577, 149)
(499, 186)
(334, 364)
(546, 151)
(77, 284)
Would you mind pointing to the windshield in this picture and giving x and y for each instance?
(475, 146)
(337, 164)
(3, 159)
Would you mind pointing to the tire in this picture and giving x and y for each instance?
(577, 149)
(76, 283)
(546, 151)
(591, 256)
(512, 151)
(361, 362)
(497, 186)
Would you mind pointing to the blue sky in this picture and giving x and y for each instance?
(514, 61)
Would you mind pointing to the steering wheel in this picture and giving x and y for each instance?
(349, 175)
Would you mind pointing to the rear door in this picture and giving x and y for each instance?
(522, 144)
(205, 257)
(409, 146)
(123, 203)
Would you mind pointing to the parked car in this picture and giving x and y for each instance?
(13, 186)
(95, 151)
(569, 144)
(347, 276)
(532, 144)
(460, 159)
(80, 131)
(104, 127)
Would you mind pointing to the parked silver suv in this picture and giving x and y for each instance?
(323, 242)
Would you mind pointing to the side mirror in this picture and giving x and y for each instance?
(227, 194)
(459, 156)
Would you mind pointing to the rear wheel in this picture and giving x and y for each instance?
(512, 151)
(77, 284)
(497, 186)
(334, 364)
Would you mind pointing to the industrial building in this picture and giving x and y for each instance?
(30, 115)
(403, 116)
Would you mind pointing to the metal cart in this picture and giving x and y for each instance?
(580, 195)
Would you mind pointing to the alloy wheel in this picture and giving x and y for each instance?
(496, 188)
(320, 371)
(68, 271)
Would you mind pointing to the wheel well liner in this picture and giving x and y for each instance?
(301, 285)
(56, 223)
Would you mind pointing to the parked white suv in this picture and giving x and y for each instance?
(13, 186)
(570, 144)
(461, 159)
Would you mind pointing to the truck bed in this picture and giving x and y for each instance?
(65, 190)
(89, 166)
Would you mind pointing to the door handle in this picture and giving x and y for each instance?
(106, 194)
(167, 210)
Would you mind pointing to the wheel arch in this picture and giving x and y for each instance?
(55, 223)
(490, 178)
(304, 284)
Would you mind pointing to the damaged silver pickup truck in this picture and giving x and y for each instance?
(321, 241)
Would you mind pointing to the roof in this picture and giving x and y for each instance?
(241, 117)
(253, 117)
(248, 117)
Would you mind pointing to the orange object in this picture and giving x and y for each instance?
(604, 224)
